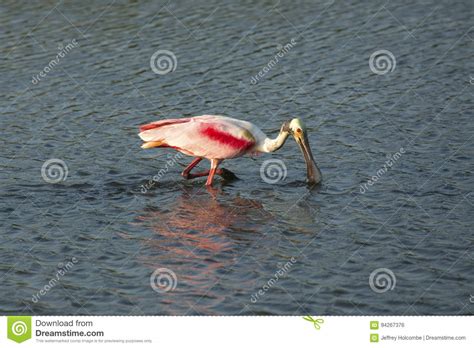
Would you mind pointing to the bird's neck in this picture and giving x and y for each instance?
(271, 145)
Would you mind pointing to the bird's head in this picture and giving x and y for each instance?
(297, 129)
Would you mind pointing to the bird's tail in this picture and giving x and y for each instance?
(151, 144)
(154, 134)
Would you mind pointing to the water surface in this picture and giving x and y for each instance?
(415, 220)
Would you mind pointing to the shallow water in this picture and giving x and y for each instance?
(231, 250)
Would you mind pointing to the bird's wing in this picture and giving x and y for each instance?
(162, 123)
(206, 136)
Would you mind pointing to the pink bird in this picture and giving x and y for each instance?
(218, 138)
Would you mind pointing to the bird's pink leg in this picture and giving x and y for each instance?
(226, 174)
(197, 175)
(220, 171)
(212, 172)
(188, 169)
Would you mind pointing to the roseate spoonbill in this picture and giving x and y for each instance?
(218, 138)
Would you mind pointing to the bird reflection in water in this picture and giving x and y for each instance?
(200, 239)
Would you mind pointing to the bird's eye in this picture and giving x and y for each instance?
(298, 130)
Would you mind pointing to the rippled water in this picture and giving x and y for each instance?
(226, 246)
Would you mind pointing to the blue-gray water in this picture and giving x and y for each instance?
(232, 250)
